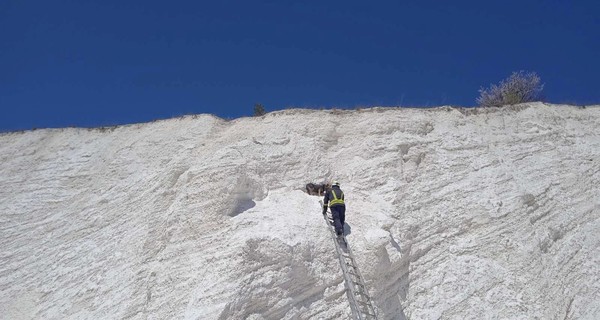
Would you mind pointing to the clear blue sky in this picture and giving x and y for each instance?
(93, 63)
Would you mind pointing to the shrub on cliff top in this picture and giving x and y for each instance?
(518, 88)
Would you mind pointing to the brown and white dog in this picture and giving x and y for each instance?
(317, 189)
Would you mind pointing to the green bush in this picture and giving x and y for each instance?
(259, 110)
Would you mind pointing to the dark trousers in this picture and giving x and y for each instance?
(338, 214)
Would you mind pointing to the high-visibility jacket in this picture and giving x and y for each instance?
(334, 197)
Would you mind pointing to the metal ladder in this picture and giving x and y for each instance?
(358, 296)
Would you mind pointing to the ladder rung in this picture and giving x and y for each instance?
(358, 280)
(364, 303)
(369, 314)
(364, 295)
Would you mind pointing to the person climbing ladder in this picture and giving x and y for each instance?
(334, 198)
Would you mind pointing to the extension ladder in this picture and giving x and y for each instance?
(356, 291)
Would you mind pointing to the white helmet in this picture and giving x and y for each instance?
(335, 183)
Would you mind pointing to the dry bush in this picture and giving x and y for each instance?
(518, 88)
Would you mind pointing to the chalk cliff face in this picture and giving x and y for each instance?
(452, 214)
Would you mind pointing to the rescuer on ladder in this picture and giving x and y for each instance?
(335, 198)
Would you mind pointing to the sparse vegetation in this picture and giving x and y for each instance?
(259, 110)
(518, 88)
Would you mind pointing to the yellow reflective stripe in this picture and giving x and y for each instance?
(335, 199)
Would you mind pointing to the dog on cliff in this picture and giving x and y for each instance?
(316, 189)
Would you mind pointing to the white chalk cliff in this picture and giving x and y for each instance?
(452, 214)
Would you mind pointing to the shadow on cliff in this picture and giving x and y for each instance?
(393, 281)
(347, 229)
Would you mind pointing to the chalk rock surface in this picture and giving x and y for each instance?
(452, 214)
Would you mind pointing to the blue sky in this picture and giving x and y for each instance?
(94, 63)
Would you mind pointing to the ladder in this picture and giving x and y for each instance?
(356, 291)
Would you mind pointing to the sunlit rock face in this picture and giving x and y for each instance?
(451, 213)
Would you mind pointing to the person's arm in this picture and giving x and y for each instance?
(325, 202)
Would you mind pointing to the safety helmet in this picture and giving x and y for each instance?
(335, 183)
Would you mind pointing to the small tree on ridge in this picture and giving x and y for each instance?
(259, 110)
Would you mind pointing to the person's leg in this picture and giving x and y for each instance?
(343, 217)
(335, 212)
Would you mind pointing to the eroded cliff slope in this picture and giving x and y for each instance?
(453, 214)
